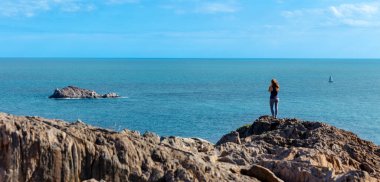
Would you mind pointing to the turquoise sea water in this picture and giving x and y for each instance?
(196, 97)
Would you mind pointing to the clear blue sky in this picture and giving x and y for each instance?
(190, 28)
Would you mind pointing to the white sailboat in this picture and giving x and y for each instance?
(331, 79)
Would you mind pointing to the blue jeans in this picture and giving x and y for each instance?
(274, 106)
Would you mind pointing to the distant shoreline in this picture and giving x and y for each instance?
(184, 58)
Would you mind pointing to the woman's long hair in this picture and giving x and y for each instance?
(275, 84)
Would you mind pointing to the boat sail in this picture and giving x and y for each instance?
(331, 79)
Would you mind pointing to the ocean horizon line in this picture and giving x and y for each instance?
(179, 58)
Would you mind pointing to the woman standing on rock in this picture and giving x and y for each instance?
(274, 88)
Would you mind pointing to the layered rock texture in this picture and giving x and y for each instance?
(38, 149)
(303, 151)
(79, 93)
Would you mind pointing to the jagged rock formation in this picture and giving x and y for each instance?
(304, 151)
(38, 149)
(76, 92)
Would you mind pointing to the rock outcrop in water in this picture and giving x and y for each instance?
(38, 149)
(77, 93)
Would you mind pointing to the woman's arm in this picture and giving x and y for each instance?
(270, 89)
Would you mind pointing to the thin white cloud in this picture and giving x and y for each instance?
(217, 8)
(291, 14)
(355, 10)
(24, 8)
(122, 1)
(30, 8)
(203, 6)
(355, 14)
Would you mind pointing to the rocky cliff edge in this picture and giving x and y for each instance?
(39, 149)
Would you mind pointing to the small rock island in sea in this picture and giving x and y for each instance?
(274, 150)
(72, 92)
